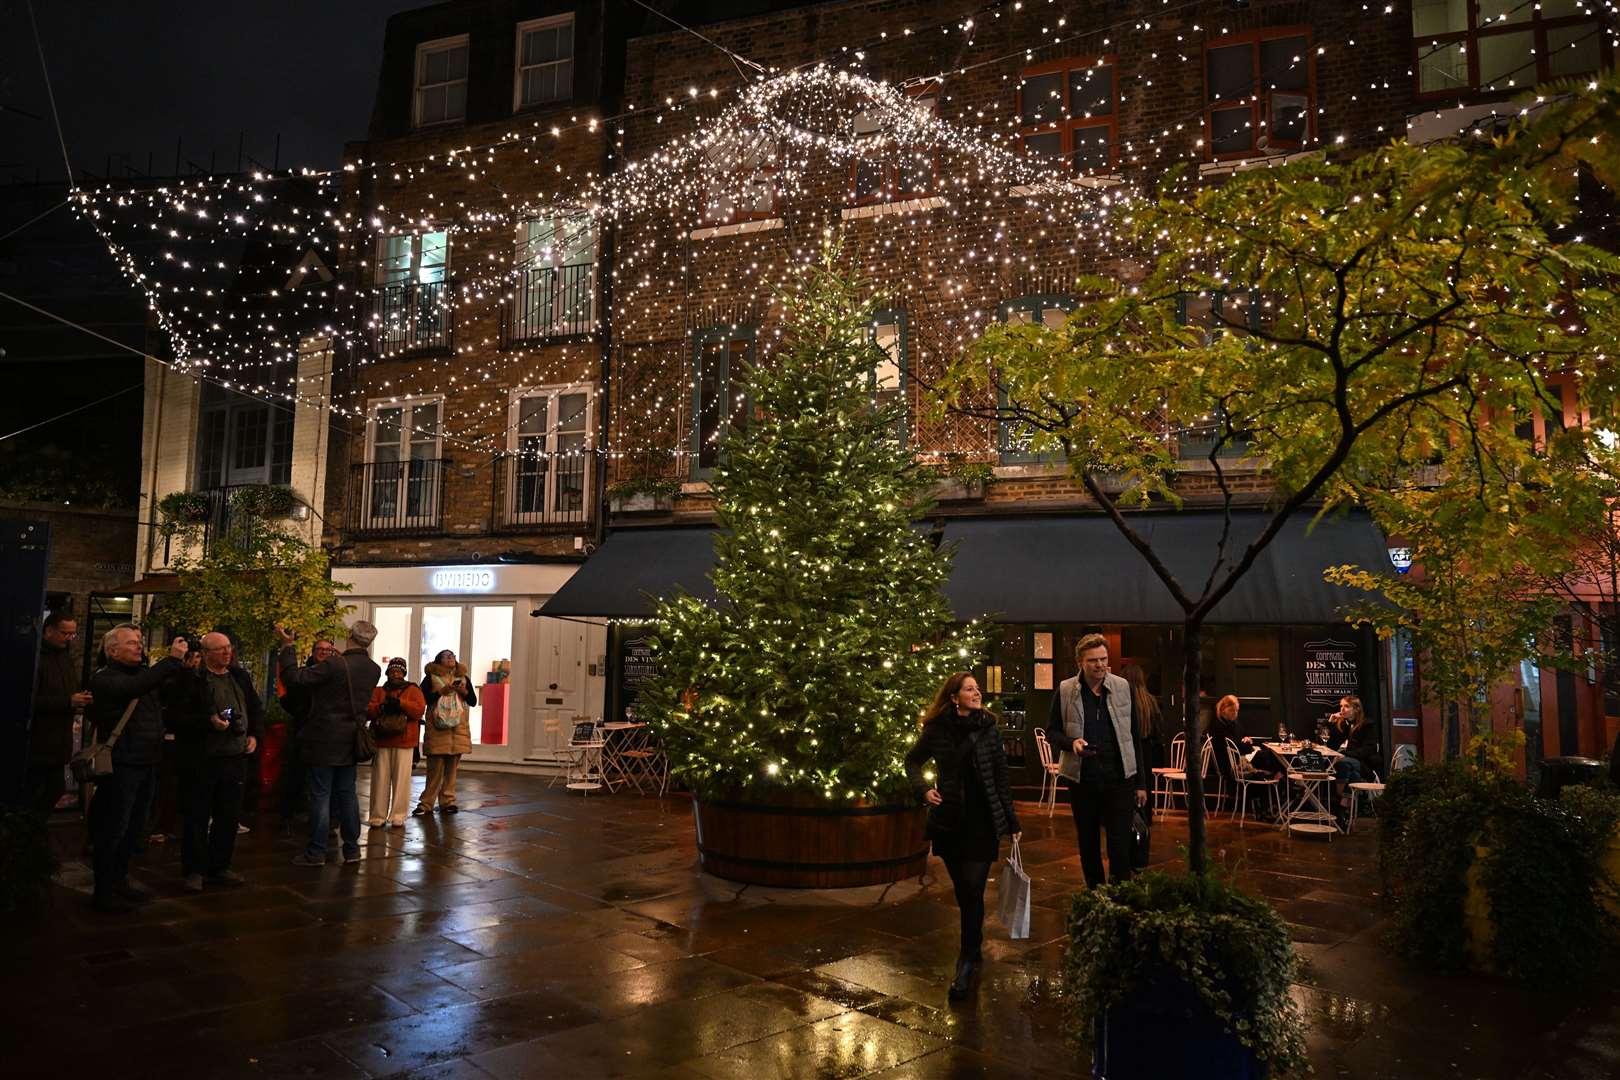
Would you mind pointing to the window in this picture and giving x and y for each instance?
(1012, 438)
(1068, 114)
(441, 82)
(551, 455)
(545, 61)
(244, 439)
(404, 477)
(1547, 420)
(721, 360)
(556, 278)
(741, 178)
(1217, 314)
(895, 171)
(1260, 93)
(1501, 46)
(413, 304)
(888, 377)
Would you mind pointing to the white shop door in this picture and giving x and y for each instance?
(557, 692)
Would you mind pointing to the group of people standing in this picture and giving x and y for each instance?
(206, 707)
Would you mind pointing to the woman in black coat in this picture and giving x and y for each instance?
(970, 804)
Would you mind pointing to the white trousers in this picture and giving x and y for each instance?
(390, 785)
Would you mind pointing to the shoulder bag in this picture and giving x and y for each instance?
(390, 725)
(365, 747)
(95, 761)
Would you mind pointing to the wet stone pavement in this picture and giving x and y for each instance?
(541, 934)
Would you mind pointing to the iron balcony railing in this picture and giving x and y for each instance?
(397, 498)
(413, 317)
(220, 523)
(538, 492)
(550, 302)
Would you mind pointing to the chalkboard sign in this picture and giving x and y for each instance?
(636, 666)
(584, 733)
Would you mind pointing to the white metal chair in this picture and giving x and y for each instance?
(1247, 776)
(1406, 756)
(1175, 773)
(569, 755)
(1370, 788)
(586, 776)
(1049, 772)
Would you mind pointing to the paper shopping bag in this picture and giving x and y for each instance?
(1012, 895)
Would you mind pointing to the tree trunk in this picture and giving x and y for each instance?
(1453, 731)
(1192, 661)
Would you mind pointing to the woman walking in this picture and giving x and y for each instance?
(449, 693)
(970, 804)
(396, 711)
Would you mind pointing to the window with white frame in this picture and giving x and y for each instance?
(722, 358)
(551, 454)
(740, 173)
(545, 61)
(404, 478)
(413, 258)
(412, 301)
(1260, 93)
(888, 378)
(441, 82)
(1502, 46)
(556, 277)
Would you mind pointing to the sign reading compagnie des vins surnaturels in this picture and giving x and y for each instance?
(1332, 671)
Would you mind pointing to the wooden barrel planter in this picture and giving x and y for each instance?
(803, 843)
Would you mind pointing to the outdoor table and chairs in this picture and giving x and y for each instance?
(1306, 810)
(630, 755)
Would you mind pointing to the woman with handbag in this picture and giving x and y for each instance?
(449, 693)
(396, 712)
(970, 804)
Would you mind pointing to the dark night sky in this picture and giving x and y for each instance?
(131, 78)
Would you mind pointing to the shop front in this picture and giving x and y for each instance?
(533, 676)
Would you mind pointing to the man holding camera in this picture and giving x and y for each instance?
(217, 720)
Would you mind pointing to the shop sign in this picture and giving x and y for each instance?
(636, 666)
(1401, 558)
(462, 579)
(1332, 671)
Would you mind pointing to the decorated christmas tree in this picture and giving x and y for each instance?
(830, 633)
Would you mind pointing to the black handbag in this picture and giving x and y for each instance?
(365, 747)
(1141, 839)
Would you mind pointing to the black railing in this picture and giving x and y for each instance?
(413, 317)
(543, 492)
(396, 498)
(220, 523)
(550, 302)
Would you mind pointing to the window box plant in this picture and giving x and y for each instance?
(267, 501)
(1171, 977)
(643, 495)
(960, 480)
(180, 508)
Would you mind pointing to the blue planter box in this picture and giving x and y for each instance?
(1164, 1032)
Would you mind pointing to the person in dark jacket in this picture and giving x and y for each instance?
(970, 804)
(1354, 736)
(1094, 725)
(295, 699)
(123, 799)
(56, 698)
(340, 689)
(217, 719)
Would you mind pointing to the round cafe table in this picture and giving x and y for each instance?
(1308, 813)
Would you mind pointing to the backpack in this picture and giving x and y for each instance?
(449, 711)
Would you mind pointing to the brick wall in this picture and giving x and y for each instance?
(90, 552)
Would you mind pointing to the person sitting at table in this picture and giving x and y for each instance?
(1225, 726)
(1352, 735)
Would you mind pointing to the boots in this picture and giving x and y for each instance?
(967, 975)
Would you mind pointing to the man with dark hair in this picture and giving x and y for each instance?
(218, 719)
(1094, 723)
(295, 699)
(56, 698)
(122, 800)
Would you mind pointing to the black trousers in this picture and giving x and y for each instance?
(121, 805)
(45, 785)
(968, 878)
(210, 807)
(1097, 805)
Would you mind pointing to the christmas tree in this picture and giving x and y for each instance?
(831, 633)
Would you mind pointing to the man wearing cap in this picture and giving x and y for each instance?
(339, 691)
(396, 717)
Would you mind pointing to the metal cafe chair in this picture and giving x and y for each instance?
(1247, 776)
(585, 775)
(1175, 773)
(569, 755)
(1370, 788)
(1049, 772)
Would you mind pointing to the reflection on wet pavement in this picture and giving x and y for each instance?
(538, 934)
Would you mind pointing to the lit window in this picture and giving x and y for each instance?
(721, 360)
(555, 290)
(888, 377)
(1504, 46)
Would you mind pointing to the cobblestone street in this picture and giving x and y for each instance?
(541, 934)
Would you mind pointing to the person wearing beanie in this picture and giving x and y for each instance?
(339, 691)
(396, 713)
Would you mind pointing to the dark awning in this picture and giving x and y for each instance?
(632, 563)
(1079, 568)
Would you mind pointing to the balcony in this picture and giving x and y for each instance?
(544, 493)
(550, 302)
(412, 318)
(396, 498)
(214, 518)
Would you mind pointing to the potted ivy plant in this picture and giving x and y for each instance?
(267, 501)
(643, 495)
(961, 480)
(181, 508)
(1170, 977)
